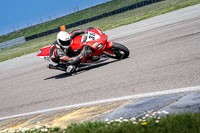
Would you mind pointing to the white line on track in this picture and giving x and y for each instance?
(151, 94)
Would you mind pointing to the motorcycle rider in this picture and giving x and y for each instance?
(60, 51)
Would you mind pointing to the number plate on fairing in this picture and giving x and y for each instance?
(92, 36)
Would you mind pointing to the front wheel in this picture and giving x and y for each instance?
(119, 51)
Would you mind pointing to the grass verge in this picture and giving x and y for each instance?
(104, 24)
(181, 123)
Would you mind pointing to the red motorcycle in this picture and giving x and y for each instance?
(98, 41)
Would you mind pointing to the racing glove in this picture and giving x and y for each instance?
(86, 51)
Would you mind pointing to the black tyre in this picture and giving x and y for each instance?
(120, 51)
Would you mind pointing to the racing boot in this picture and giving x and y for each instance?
(58, 66)
(51, 66)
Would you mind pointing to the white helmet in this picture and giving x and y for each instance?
(63, 39)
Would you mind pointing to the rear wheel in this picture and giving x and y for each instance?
(120, 51)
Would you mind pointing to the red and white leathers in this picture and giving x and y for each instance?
(66, 56)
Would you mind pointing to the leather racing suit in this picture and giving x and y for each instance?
(60, 55)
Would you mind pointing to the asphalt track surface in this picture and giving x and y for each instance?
(164, 55)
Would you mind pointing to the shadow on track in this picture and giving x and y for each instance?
(81, 70)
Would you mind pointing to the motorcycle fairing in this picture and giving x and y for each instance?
(44, 52)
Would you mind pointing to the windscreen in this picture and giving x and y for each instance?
(89, 36)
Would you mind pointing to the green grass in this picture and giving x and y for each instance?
(185, 123)
(181, 123)
(104, 24)
(26, 48)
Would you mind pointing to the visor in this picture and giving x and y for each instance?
(65, 43)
